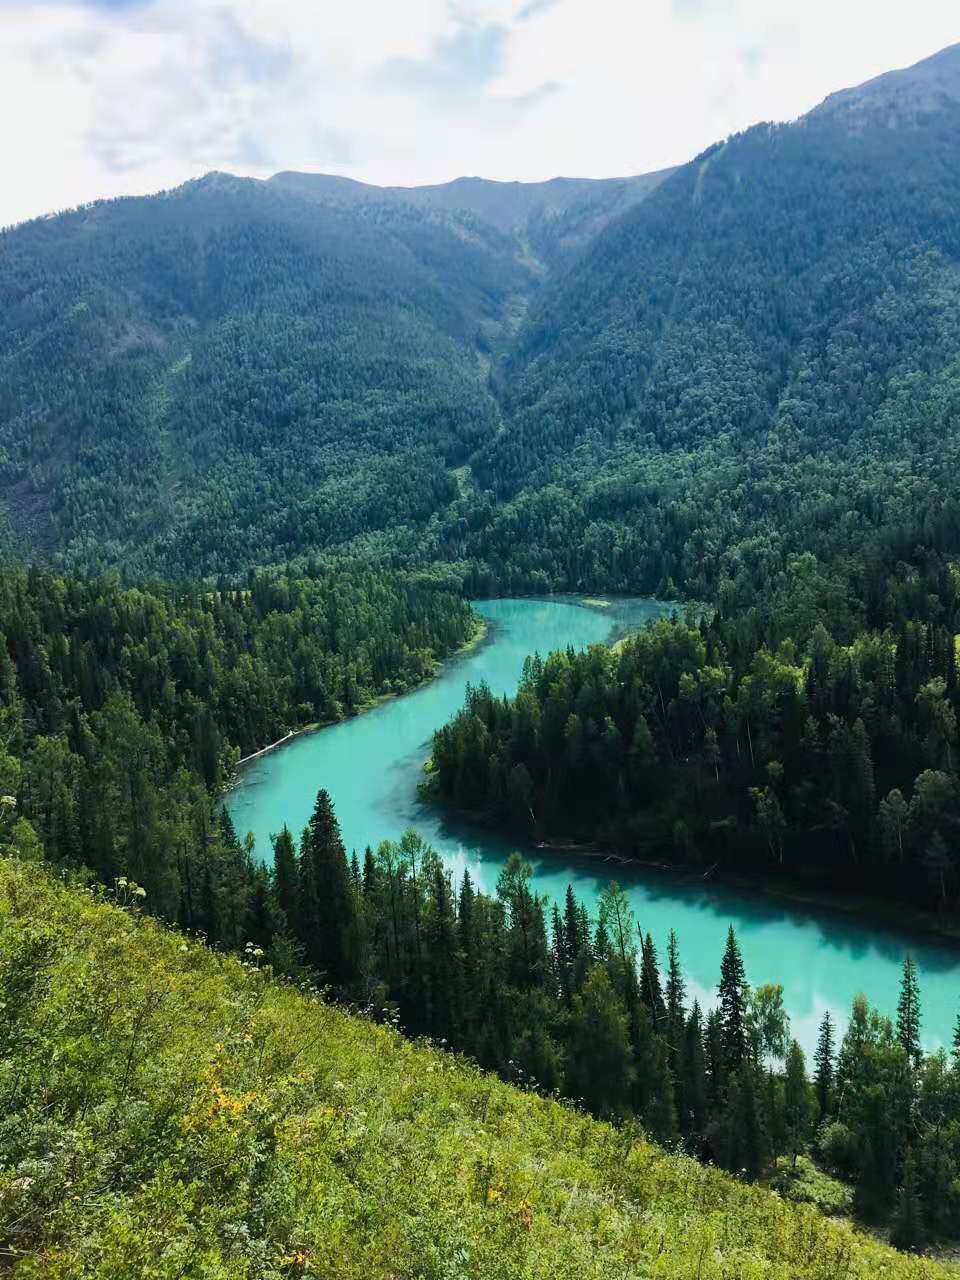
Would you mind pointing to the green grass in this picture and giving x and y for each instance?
(166, 1112)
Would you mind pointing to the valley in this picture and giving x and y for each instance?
(456, 641)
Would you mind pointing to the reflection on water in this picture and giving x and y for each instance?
(371, 766)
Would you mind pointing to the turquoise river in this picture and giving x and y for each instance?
(371, 766)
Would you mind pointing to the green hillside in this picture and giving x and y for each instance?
(634, 384)
(170, 1112)
(227, 373)
(760, 359)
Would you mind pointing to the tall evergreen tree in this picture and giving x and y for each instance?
(732, 1005)
(713, 1055)
(691, 1076)
(675, 997)
(908, 1012)
(824, 1064)
(651, 991)
(286, 880)
(332, 908)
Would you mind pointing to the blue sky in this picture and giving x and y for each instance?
(106, 97)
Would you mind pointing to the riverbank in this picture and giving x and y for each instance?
(474, 641)
(891, 917)
(872, 912)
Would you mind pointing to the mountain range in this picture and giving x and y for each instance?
(571, 383)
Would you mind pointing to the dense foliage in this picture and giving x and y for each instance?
(228, 373)
(757, 362)
(832, 762)
(760, 361)
(124, 710)
(171, 1112)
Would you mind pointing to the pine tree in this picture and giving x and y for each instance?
(332, 908)
(560, 960)
(444, 960)
(659, 1115)
(286, 880)
(651, 992)
(824, 1065)
(371, 876)
(732, 1003)
(956, 1040)
(691, 1077)
(676, 994)
(908, 1012)
(713, 1054)
(260, 923)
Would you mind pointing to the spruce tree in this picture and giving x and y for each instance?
(571, 923)
(560, 960)
(307, 915)
(692, 1077)
(445, 987)
(260, 922)
(651, 992)
(908, 1012)
(713, 1054)
(732, 1003)
(332, 906)
(286, 879)
(371, 876)
(824, 1065)
(676, 994)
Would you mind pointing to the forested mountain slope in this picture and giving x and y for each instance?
(175, 1112)
(556, 384)
(762, 358)
(226, 373)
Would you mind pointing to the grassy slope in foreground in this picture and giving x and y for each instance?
(169, 1112)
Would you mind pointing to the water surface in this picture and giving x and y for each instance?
(371, 766)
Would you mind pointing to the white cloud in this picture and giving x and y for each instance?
(102, 98)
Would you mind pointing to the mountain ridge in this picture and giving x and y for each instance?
(900, 95)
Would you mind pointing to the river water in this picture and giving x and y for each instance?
(371, 766)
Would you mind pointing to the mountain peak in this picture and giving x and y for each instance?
(899, 98)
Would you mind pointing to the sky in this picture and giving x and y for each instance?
(111, 97)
